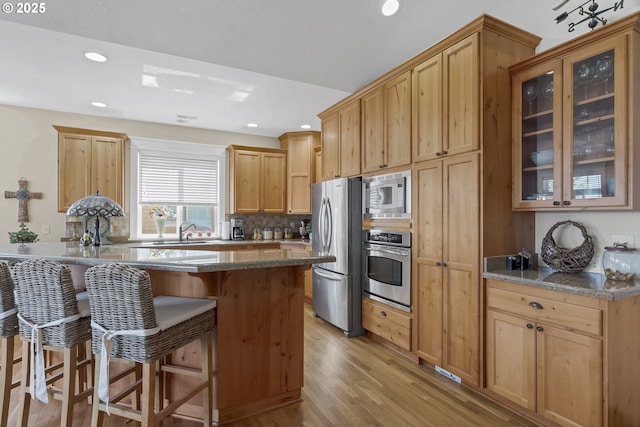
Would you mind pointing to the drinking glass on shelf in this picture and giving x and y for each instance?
(548, 89)
(583, 74)
(529, 93)
(604, 70)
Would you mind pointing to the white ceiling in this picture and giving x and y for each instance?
(277, 63)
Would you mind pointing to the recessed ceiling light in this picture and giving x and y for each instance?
(305, 126)
(252, 125)
(95, 56)
(390, 7)
(98, 104)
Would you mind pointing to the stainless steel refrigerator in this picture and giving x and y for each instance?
(337, 231)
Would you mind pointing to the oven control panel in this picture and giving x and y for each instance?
(393, 238)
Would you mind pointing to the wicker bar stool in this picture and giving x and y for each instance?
(129, 323)
(52, 318)
(8, 332)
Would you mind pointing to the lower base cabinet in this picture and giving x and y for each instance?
(558, 355)
(387, 322)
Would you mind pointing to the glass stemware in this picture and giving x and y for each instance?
(584, 73)
(548, 89)
(604, 70)
(530, 92)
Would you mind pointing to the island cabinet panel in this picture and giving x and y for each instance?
(89, 161)
(258, 337)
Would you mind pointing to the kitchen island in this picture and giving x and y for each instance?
(258, 340)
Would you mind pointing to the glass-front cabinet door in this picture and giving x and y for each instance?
(595, 143)
(570, 145)
(538, 134)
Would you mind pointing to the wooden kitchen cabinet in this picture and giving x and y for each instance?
(389, 323)
(89, 161)
(573, 123)
(257, 180)
(318, 163)
(545, 352)
(462, 198)
(446, 267)
(386, 123)
(301, 163)
(341, 141)
(445, 99)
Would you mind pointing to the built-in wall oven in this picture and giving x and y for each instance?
(387, 267)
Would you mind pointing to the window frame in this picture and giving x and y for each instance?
(182, 149)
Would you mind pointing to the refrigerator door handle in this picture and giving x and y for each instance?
(325, 225)
(332, 277)
(329, 229)
(322, 226)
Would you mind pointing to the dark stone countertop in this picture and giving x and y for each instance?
(588, 284)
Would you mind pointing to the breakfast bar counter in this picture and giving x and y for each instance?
(258, 340)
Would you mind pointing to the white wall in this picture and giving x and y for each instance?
(601, 225)
(29, 148)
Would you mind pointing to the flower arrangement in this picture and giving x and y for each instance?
(162, 212)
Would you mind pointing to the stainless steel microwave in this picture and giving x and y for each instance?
(387, 196)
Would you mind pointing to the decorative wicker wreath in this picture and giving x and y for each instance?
(567, 260)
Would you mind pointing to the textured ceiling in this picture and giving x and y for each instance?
(224, 63)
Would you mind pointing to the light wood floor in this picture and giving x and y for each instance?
(348, 382)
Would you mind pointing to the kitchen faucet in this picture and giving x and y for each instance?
(182, 230)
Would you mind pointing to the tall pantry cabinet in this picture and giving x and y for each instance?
(462, 187)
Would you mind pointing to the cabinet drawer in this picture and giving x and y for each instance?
(387, 323)
(562, 314)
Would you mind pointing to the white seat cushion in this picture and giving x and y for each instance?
(173, 310)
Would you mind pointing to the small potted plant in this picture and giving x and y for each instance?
(24, 235)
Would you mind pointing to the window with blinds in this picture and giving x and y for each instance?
(176, 183)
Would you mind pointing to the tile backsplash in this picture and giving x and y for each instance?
(270, 220)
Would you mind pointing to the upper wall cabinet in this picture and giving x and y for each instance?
(446, 99)
(301, 163)
(257, 180)
(341, 142)
(573, 123)
(386, 123)
(89, 161)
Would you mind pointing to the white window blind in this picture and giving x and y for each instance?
(177, 181)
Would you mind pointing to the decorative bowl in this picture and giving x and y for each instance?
(543, 157)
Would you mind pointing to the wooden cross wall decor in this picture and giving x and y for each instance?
(23, 195)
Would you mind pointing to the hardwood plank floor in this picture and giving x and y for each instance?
(348, 382)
